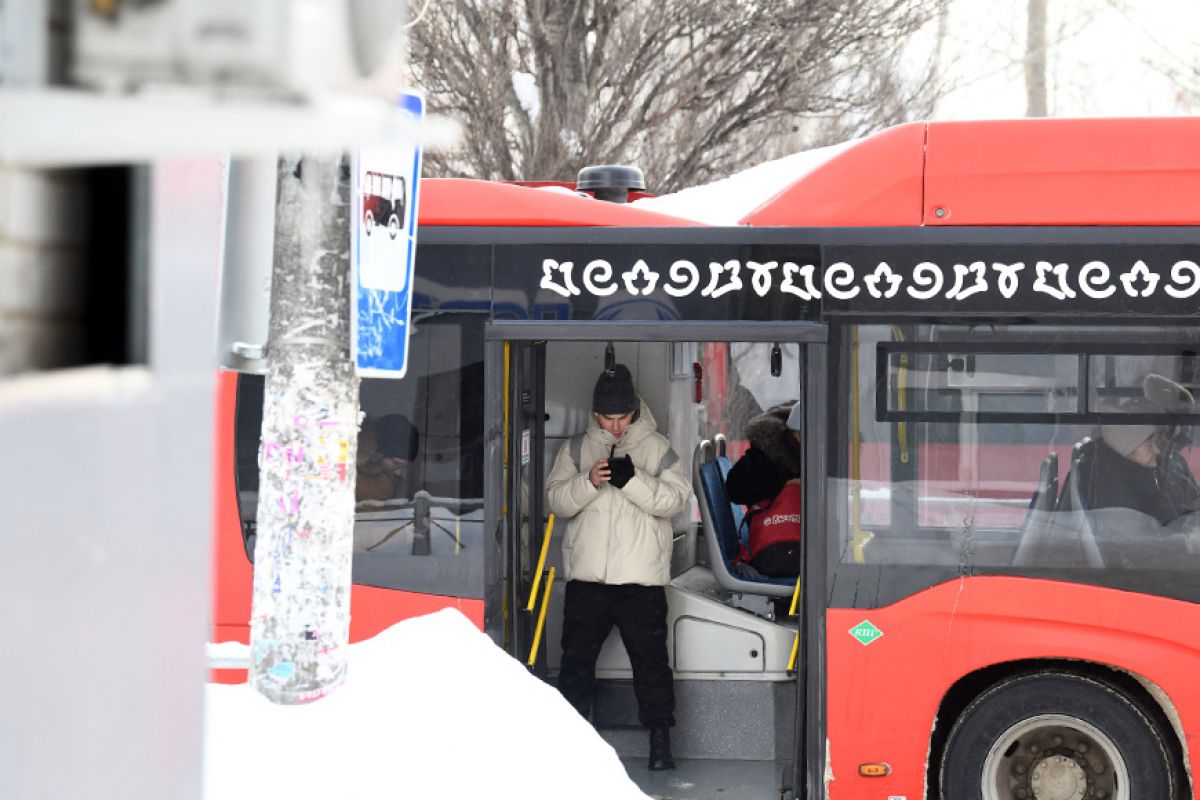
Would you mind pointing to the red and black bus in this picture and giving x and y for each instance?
(961, 309)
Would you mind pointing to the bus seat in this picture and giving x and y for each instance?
(1072, 513)
(737, 509)
(1038, 520)
(721, 446)
(1048, 477)
(720, 532)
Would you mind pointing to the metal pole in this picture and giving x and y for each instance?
(300, 617)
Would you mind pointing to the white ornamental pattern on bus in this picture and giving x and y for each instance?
(841, 281)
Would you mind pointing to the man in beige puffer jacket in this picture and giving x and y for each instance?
(620, 487)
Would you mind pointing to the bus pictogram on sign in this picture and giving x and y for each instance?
(384, 197)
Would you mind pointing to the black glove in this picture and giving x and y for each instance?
(620, 470)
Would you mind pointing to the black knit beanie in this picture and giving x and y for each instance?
(614, 393)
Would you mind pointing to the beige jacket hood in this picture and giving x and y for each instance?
(619, 535)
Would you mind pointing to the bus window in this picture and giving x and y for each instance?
(1015, 450)
(738, 384)
(1114, 378)
(419, 508)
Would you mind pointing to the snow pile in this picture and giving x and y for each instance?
(431, 709)
(228, 655)
(726, 201)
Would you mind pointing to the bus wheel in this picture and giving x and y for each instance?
(369, 222)
(393, 226)
(1056, 736)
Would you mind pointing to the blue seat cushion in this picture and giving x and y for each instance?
(720, 510)
(738, 511)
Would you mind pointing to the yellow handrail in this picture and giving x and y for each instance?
(795, 598)
(537, 634)
(537, 576)
(795, 652)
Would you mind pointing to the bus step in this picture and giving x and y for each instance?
(712, 779)
(723, 720)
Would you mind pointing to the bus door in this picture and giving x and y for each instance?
(746, 670)
(522, 520)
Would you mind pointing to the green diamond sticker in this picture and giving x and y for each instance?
(865, 632)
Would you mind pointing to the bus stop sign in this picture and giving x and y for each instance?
(383, 243)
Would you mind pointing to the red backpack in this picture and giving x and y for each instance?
(778, 521)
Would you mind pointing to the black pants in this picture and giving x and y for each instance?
(640, 614)
(779, 560)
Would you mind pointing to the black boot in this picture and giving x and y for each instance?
(660, 749)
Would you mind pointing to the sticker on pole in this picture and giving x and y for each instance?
(383, 244)
(865, 632)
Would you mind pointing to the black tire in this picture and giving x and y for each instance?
(393, 226)
(1050, 733)
(369, 222)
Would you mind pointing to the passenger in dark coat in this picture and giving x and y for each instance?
(1137, 466)
(1121, 472)
(1174, 475)
(774, 459)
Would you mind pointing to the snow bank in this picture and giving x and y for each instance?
(726, 201)
(431, 709)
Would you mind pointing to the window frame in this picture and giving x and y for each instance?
(1083, 350)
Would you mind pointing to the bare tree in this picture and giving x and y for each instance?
(1169, 53)
(1035, 60)
(1186, 79)
(882, 91)
(687, 89)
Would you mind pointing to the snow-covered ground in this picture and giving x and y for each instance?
(431, 709)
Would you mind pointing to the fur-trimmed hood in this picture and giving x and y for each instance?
(769, 433)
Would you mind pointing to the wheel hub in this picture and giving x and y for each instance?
(1054, 757)
(1057, 778)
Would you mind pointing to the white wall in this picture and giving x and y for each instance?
(106, 531)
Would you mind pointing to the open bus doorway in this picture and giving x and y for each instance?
(739, 719)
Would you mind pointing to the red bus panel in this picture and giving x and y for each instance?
(1063, 172)
(884, 695)
(877, 181)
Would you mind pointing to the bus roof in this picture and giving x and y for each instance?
(459, 201)
(1138, 171)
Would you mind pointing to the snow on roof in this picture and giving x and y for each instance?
(726, 201)
(431, 708)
